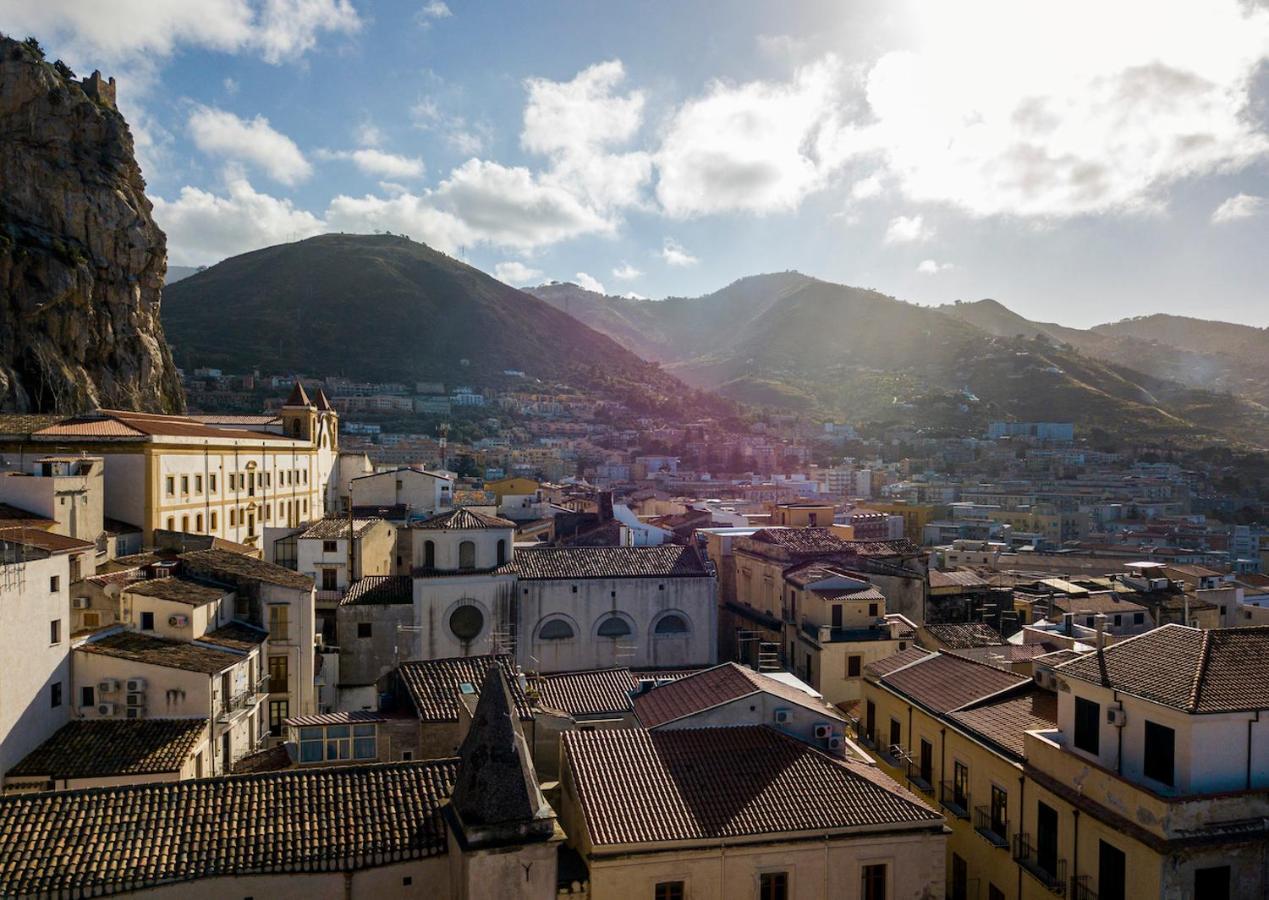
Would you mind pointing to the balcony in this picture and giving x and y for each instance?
(328, 596)
(921, 784)
(995, 833)
(954, 801)
(1050, 873)
(243, 700)
(1080, 889)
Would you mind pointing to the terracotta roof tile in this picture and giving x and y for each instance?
(226, 566)
(379, 590)
(103, 748)
(176, 589)
(712, 687)
(44, 540)
(121, 839)
(462, 519)
(591, 693)
(156, 651)
(236, 636)
(666, 561)
(334, 528)
(1190, 669)
(888, 664)
(433, 684)
(944, 682)
(1002, 720)
(706, 784)
(11, 516)
(963, 636)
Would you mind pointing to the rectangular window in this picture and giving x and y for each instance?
(279, 622)
(1138, 618)
(1088, 725)
(147, 621)
(171, 523)
(854, 665)
(330, 546)
(55, 631)
(1046, 838)
(873, 882)
(1213, 883)
(198, 484)
(960, 879)
(896, 734)
(184, 484)
(960, 784)
(363, 629)
(1112, 876)
(1160, 753)
(214, 522)
(170, 486)
(364, 742)
(312, 745)
(55, 694)
(278, 711)
(185, 524)
(837, 615)
(870, 720)
(278, 675)
(330, 580)
(211, 483)
(87, 697)
(999, 811)
(873, 610)
(233, 517)
(927, 762)
(54, 583)
(338, 743)
(773, 886)
(198, 523)
(668, 890)
(92, 620)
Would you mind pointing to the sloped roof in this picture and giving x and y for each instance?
(707, 784)
(1002, 720)
(712, 687)
(236, 636)
(433, 684)
(104, 748)
(48, 541)
(224, 564)
(965, 635)
(116, 423)
(590, 693)
(462, 519)
(121, 839)
(157, 651)
(336, 527)
(176, 589)
(665, 561)
(943, 682)
(298, 396)
(379, 590)
(1194, 670)
(955, 578)
(888, 664)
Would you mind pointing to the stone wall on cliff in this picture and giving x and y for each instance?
(81, 259)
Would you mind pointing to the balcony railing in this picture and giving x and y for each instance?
(242, 700)
(1080, 889)
(921, 783)
(1051, 874)
(956, 802)
(328, 596)
(995, 833)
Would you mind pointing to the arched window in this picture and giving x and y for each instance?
(671, 624)
(614, 627)
(556, 630)
(429, 554)
(467, 555)
(466, 622)
(502, 552)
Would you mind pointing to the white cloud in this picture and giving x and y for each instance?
(379, 163)
(288, 28)
(907, 230)
(230, 86)
(932, 267)
(1240, 206)
(466, 138)
(626, 272)
(675, 254)
(590, 283)
(220, 133)
(404, 213)
(866, 188)
(203, 227)
(436, 9)
(631, 295)
(758, 147)
(515, 273)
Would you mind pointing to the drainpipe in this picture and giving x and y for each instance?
(1075, 853)
(1250, 722)
(1022, 796)
(942, 763)
(1119, 751)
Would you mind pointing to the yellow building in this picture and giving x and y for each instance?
(915, 517)
(517, 487)
(802, 515)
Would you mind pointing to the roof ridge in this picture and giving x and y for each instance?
(1196, 689)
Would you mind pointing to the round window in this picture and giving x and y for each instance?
(466, 622)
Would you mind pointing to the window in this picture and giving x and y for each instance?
(429, 554)
(1138, 618)
(330, 580)
(926, 761)
(330, 546)
(279, 622)
(54, 583)
(211, 483)
(873, 882)
(466, 622)
(896, 734)
(364, 629)
(873, 610)
(556, 630)
(467, 555)
(870, 720)
(773, 886)
(854, 665)
(170, 486)
(1088, 724)
(278, 711)
(185, 524)
(233, 518)
(1112, 879)
(92, 620)
(87, 696)
(198, 523)
(1160, 753)
(502, 552)
(960, 879)
(671, 624)
(837, 615)
(55, 694)
(1046, 838)
(198, 484)
(669, 890)
(364, 741)
(960, 784)
(1212, 884)
(335, 743)
(278, 675)
(55, 631)
(214, 521)
(999, 811)
(147, 621)
(184, 484)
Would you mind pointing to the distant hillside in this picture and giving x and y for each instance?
(178, 273)
(384, 308)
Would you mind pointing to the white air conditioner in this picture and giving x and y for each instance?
(136, 712)
(836, 742)
(105, 709)
(1045, 679)
(823, 731)
(79, 603)
(1116, 716)
(108, 686)
(136, 699)
(178, 621)
(136, 685)
(782, 716)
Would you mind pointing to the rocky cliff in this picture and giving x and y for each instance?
(81, 260)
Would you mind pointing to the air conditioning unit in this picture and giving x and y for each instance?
(108, 686)
(836, 742)
(136, 699)
(79, 603)
(1046, 679)
(178, 621)
(823, 731)
(136, 712)
(782, 716)
(136, 685)
(1116, 716)
(105, 709)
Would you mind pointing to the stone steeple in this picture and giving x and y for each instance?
(299, 397)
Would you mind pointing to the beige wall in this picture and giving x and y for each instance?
(429, 877)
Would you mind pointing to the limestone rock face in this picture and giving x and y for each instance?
(81, 260)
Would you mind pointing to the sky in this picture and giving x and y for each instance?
(1079, 162)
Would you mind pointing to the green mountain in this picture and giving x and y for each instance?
(384, 308)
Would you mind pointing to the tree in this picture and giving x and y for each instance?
(34, 46)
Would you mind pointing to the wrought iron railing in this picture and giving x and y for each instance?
(1080, 889)
(996, 832)
(1051, 873)
(956, 801)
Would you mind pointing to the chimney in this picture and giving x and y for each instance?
(604, 500)
(1068, 623)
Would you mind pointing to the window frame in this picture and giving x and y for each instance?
(1150, 761)
(1088, 714)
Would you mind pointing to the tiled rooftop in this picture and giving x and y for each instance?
(954, 579)
(1002, 720)
(104, 748)
(48, 541)
(591, 693)
(334, 528)
(125, 423)
(236, 636)
(433, 684)
(463, 519)
(225, 565)
(666, 561)
(944, 682)
(176, 589)
(707, 784)
(156, 651)
(1190, 669)
(888, 664)
(122, 839)
(379, 590)
(712, 687)
(964, 636)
